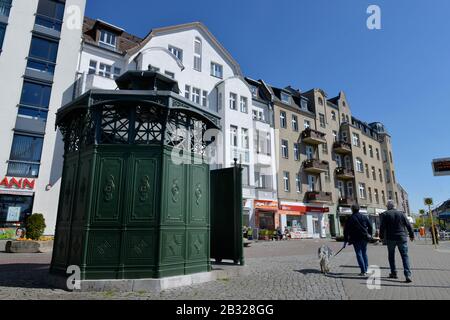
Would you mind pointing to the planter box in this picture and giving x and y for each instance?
(29, 246)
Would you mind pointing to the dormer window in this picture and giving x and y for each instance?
(254, 91)
(320, 101)
(285, 98)
(304, 104)
(177, 52)
(107, 38)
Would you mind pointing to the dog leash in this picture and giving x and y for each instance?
(340, 251)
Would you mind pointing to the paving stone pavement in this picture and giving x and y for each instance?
(279, 270)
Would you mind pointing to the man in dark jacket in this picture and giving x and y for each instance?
(357, 231)
(394, 229)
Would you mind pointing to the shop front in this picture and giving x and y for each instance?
(344, 212)
(266, 214)
(303, 221)
(16, 203)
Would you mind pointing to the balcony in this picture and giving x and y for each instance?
(242, 155)
(344, 173)
(318, 196)
(315, 166)
(313, 137)
(342, 147)
(346, 201)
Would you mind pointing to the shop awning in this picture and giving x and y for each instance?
(291, 213)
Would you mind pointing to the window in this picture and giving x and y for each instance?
(384, 155)
(356, 141)
(5, 6)
(233, 99)
(374, 174)
(348, 162)
(335, 135)
(369, 191)
(245, 138)
(309, 152)
(169, 74)
(92, 67)
(204, 98)
(245, 175)
(396, 198)
(25, 156)
(322, 120)
(286, 181)
(187, 92)
(107, 38)
(42, 55)
(333, 115)
(268, 144)
(367, 171)
(350, 189)
(311, 183)
(320, 101)
(298, 183)
(284, 149)
(377, 197)
(2, 34)
(294, 122)
(50, 14)
(377, 152)
(393, 176)
(196, 95)
(359, 165)
(383, 197)
(327, 175)
(261, 116)
(296, 152)
(341, 190)
(282, 119)
(219, 101)
(306, 124)
(216, 70)
(304, 104)
(390, 156)
(285, 97)
(104, 70)
(35, 100)
(325, 148)
(244, 105)
(197, 54)
(118, 71)
(388, 176)
(380, 174)
(390, 194)
(370, 151)
(344, 136)
(362, 191)
(254, 91)
(177, 52)
(255, 114)
(233, 136)
(364, 148)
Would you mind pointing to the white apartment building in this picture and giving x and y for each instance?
(207, 75)
(39, 48)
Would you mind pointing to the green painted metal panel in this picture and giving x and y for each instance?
(226, 215)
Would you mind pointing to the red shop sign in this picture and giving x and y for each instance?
(17, 183)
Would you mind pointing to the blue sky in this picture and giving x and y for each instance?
(399, 75)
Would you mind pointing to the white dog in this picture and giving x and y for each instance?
(325, 253)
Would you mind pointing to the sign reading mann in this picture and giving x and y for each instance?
(441, 167)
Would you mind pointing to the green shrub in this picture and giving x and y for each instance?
(35, 226)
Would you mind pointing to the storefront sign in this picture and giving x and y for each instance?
(17, 183)
(303, 209)
(13, 214)
(266, 203)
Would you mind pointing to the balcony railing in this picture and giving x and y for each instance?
(342, 147)
(319, 196)
(48, 22)
(27, 169)
(344, 173)
(5, 8)
(242, 155)
(41, 65)
(315, 166)
(313, 137)
(346, 201)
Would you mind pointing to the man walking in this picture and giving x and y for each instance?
(394, 229)
(358, 231)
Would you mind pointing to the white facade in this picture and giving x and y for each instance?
(188, 52)
(22, 27)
